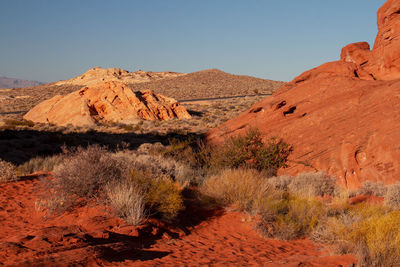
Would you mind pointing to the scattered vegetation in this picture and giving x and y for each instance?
(288, 208)
(244, 151)
(13, 123)
(132, 188)
(149, 181)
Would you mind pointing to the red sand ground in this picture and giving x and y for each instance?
(88, 236)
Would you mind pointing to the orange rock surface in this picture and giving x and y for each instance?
(106, 102)
(342, 117)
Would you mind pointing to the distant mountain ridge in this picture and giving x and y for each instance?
(17, 83)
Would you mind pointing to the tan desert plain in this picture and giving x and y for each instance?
(119, 168)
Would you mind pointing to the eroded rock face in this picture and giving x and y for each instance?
(106, 102)
(342, 117)
(383, 61)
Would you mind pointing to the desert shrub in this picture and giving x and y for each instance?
(243, 151)
(243, 187)
(306, 184)
(313, 184)
(369, 231)
(281, 182)
(162, 195)
(127, 201)
(289, 217)
(133, 184)
(373, 188)
(83, 175)
(7, 172)
(392, 196)
(191, 150)
(40, 164)
(251, 151)
(159, 166)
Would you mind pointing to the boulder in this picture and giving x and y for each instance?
(106, 102)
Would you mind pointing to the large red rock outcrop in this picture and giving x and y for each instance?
(342, 117)
(106, 102)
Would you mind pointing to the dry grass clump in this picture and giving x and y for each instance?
(313, 184)
(306, 184)
(244, 187)
(7, 172)
(40, 164)
(392, 196)
(373, 188)
(127, 201)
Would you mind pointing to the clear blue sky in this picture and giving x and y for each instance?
(49, 40)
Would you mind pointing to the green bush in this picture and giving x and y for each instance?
(243, 151)
(251, 151)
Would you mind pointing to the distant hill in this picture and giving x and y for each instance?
(202, 84)
(16, 83)
(208, 84)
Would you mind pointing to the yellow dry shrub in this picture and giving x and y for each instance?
(378, 239)
(289, 216)
(162, 195)
(243, 187)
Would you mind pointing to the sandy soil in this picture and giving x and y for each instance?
(90, 236)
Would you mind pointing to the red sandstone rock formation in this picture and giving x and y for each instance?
(342, 117)
(106, 102)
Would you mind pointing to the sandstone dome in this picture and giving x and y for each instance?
(106, 102)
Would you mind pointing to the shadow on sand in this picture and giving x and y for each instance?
(18, 146)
